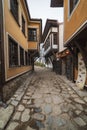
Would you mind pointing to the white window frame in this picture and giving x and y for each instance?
(70, 14)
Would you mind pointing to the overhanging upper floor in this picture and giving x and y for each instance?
(56, 3)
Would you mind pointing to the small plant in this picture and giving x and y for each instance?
(39, 64)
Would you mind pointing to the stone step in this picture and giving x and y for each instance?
(5, 115)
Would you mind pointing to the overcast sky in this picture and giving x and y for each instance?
(41, 9)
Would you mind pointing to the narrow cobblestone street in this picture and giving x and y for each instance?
(47, 101)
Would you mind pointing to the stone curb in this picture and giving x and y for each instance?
(81, 93)
(5, 115)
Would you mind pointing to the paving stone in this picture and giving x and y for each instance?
(5, 115)
(12, 126)
(71, 126)
(55, 122)
(79, 107)
(84, 117)
(57, 110)
(25, 115)
(39, 101)
(14, 103)
(38, 116)
(36, 96)
(71, 92)
(74, 95)
(82, 93)
(79, 121)
(65, 116)
(21, 108)
(77, 112)
(85, 110)
(85, 99)
(48, 100)
(31, 106)
(68, 100)
(15, 95)
(60, 121)
(29, 102)
(24, 101)
(48, 109)
(29, 128)
(64, 107)
(78, 100)
(69, 89)
(26, 97)
(38, 105)
(17, 116)
(18, 98)
(71, 107)
(28, 94)
(66, 95)
(8, 102)
(57, 99)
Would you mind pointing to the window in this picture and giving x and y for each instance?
(26, 58)
(21, 56)
(23, 25)
(13, 53)
(32, 34)
(55, 38)
(14, 8)
(72, 4)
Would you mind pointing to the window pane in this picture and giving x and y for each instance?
(21, 56)
(26, 58)
(32, 34)
(23, 25)
(13, 53)
(72, 4)
(55, 38)
(14, 8)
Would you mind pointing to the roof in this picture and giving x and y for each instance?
(49, 23)
(33, 19)
(27, 9)
(56, 3)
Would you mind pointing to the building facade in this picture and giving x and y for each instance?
(75, 39)
(50, 40)
(20, 37)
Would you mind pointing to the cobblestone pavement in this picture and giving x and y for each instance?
(47, 101)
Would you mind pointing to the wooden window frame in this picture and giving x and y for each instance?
(32, 34)
(14, 10)
(21, 56)
(26, 58)
(23, 25)
(13, 52)
(72, 5)
(55, 39)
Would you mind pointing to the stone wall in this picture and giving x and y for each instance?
(11, 86)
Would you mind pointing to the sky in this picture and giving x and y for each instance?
(41, 9)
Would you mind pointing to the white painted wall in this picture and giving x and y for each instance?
(61, 46)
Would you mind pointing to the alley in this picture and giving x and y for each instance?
(46, 102)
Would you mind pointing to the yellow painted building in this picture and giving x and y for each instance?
(75, 17)
(20, 38)
(75, 36)
(17, 21)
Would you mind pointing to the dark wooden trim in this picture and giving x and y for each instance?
(71, 51)
(2, 76)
